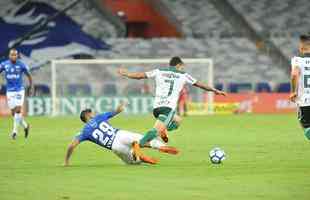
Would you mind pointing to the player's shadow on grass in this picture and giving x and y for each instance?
(107, 165)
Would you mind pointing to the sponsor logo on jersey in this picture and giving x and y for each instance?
(163, 102)
(170, 75)
(12, 76)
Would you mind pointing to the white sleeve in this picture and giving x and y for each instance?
(295, 62)
(151, 74)
(189, 79)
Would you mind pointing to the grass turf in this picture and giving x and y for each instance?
(267, 158)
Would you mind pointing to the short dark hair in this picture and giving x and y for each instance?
(174, 61)
(83, 114)
(13, 49)
(304, 38)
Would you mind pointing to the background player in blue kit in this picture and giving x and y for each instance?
(99, 131)
(15, 91)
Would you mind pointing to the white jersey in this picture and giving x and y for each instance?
(169, 83)
(303, 90)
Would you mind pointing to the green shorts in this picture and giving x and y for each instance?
(164, 114)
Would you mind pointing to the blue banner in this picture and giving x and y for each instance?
(61, 38)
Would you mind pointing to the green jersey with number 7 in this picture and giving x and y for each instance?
(302, 65)
(169, 83)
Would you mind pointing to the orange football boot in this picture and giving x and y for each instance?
(170, 150)
(149, 160)
(137, 153)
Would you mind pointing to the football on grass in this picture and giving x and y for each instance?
(217, 155)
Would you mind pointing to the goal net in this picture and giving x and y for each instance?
(94, 83)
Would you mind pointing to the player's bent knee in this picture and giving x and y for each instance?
(160, 126)
(162, 129)
(18, 109)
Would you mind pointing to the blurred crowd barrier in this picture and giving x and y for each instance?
(262, 103)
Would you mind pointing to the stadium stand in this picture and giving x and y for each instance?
(235, 60)
(42, 90)
(288, 45)
(207, 22)
(88, 17)
(262, 87)
(283, 88)
(277, 16)
(239, 87)
(280, 20)
(208, 34)
(238, 57)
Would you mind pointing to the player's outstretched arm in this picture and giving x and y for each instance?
(31, 88)
(132, 75)
(1, 70)
(120, 108)
(70, 150)
(294, 83)
(208, 88)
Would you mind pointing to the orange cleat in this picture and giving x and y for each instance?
(149, 160)
(136, 150)
(138, 155)
(170, 150)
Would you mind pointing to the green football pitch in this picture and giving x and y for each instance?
(268, 158)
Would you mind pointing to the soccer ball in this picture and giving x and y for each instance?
(216, 155)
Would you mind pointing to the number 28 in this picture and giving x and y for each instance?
(103, 132)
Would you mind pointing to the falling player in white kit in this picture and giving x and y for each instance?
(99, 131)
(14, 69)
(169, 83)
(300, 83)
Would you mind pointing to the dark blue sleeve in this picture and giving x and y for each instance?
(1, 67)
(81, 137)
(107, 115)
(25, 68)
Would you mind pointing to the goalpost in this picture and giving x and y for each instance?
(93, 74)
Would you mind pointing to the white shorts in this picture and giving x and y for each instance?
(123, 149)
(15, 98)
